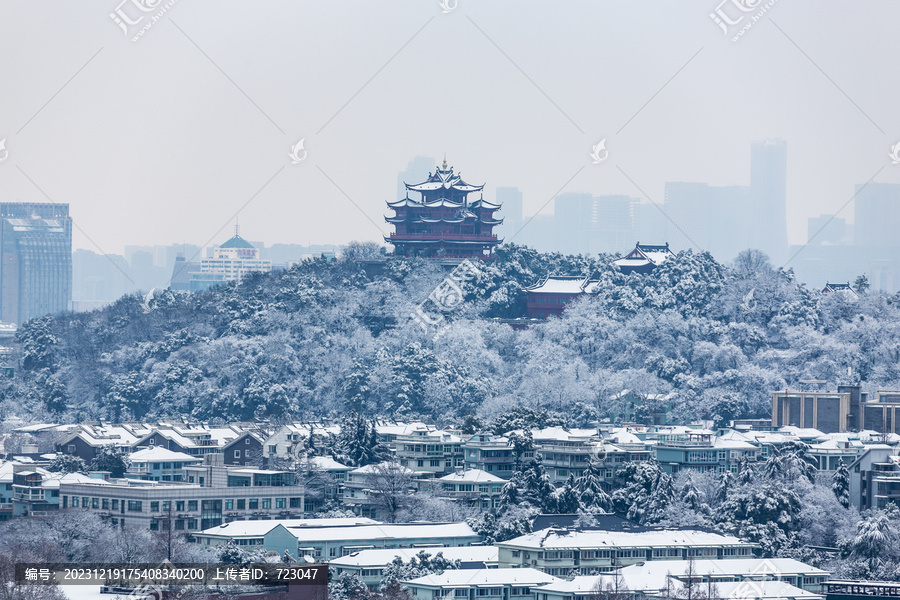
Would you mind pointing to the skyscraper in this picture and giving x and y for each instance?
(587, 224)
(35, 260)
(768, 197)
(510, 198)
(876, 215)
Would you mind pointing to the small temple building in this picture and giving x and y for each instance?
(443, 222)
(644, 258)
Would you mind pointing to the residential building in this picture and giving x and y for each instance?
(35, 260)
(701, 450)
(159, 464)
(473, 487)
(558, 551)
(35, 492)
(473, 585)
(324, 542)
(429, 452)
(245, 450)
(85, 441)
(369, 565)
(184, 507)
(875, 478)
(271, 535)
(654, 577)
(490, 453)
(367, 488)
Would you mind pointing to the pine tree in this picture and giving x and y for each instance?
(840, 484)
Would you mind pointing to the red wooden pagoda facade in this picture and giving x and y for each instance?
(443, 223)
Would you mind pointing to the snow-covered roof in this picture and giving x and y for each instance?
(731, 444)
(560, 434)
(327, 463)
(258, 528)
(651, 575)
(159, 454)
(398, 531)
(464, 578)
(663, 538)
(53, 480)
(807, 433)
(378, 557)
(471, 476)
(580, 585)
(560, 284)
(374, 469)
(762, 590)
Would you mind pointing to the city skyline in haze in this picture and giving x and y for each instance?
(276, 114)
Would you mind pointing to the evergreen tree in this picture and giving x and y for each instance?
(840, 484)
(111, 459)
(589, 487)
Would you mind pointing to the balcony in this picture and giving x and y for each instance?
(444, 236)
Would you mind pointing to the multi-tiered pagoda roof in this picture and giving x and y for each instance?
(443, 222)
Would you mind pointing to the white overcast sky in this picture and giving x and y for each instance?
(163, 140)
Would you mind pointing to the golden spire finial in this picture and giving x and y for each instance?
(445, 162)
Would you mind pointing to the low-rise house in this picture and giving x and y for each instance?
(367, 488)
(159, 464)
(558, 551)
(473, 487)
(183, 507)
(326, 542)
(652, 577)
(246, 450)
(369, 565)
(85, 441)
(550, 296)
(473, 585)
(644, 258)
(270, 535)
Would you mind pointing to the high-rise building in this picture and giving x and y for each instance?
(510, 198)
(876, 215)
(768, 196)
(35, 260)
(826, 229)
(418, 169)
(587, 224)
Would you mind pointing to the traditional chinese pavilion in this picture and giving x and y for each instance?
(443, 222)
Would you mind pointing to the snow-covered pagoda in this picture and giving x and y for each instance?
(443, 222)
(644, 258)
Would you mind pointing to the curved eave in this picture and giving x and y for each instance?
(485, 204)
(404, 202)
(492, 221)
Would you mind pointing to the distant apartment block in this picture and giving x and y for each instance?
(35, 260)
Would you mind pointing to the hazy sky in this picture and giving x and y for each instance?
(163, 140)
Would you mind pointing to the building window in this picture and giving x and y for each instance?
(74, 501)
(154, 506)
(115, 504)
(105, 504)
(247, 441)
(267, 503)
(135, 506)
(85, 502)
(192, 505)
(192, 523)
(154, 525)
(179, 505)
(229, 505)
(179, 524)
(241, 504)
(296, 502)
(273, 449)
(280, 502)
(253, 504)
